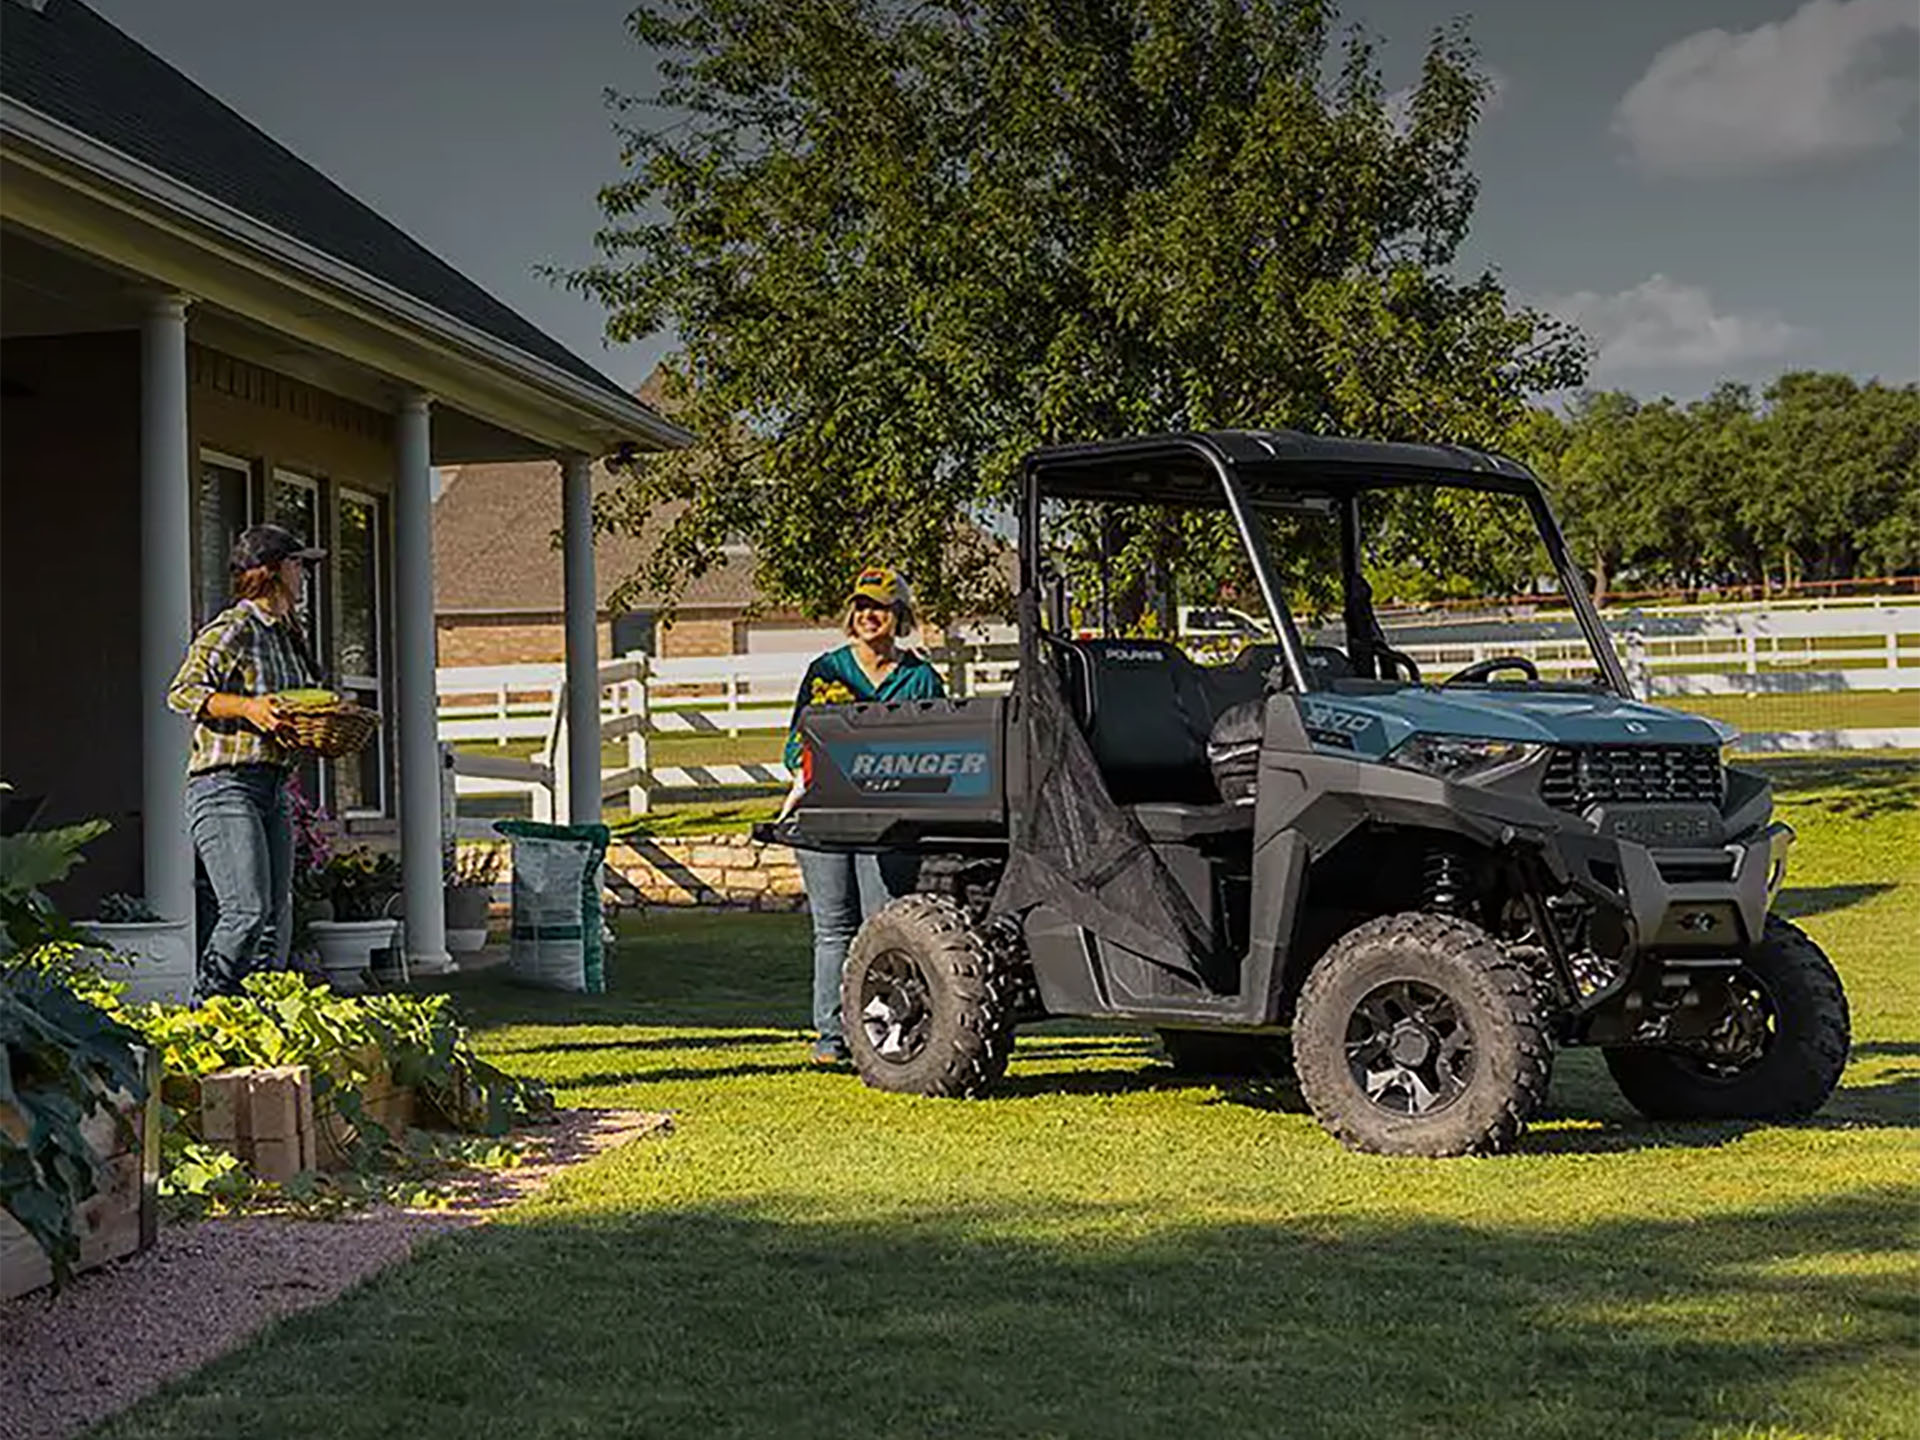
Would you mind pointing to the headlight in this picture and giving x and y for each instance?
(1460, 757)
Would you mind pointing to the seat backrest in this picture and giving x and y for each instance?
(1147, 715)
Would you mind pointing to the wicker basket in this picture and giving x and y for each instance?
(330, 730)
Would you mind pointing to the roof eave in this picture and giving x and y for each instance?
(608, 408)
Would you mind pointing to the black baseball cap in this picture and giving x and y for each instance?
(268, 545)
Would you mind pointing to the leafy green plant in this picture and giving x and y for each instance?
(360, 883)
(284, 1019)
(118, 909)
(62, 1060)
(28, 861)
(197, 1178)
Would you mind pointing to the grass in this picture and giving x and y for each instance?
(1103, 1250)
(1830, 710)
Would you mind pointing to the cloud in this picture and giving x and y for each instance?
(1661, 324)
(1399, 103)
(1835, 78)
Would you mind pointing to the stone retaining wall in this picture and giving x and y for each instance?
(720, 871)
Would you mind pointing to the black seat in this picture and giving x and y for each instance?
(1147, 713)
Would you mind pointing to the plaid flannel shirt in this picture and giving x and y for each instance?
(242, 651)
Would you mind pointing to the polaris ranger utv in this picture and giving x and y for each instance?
(1419, 885)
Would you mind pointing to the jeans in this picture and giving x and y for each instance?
(243, 836)
(842, 891)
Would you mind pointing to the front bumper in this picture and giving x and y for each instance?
(1688, 916)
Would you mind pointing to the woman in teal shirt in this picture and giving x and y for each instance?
(842, 890)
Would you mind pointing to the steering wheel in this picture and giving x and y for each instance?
(1481, 671)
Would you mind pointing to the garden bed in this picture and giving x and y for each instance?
(69, 1360)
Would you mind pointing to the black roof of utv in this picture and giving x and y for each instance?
(1273, 467)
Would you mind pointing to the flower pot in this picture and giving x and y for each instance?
(467, 907)
(346, 949)
(154, 957)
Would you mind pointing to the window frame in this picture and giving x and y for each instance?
(249, 473)
(375, 683)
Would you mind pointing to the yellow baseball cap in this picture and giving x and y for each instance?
(881, 585)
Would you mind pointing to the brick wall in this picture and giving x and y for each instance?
(505, 640)
(699, 636)
(522, 639)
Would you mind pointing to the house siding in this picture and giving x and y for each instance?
(70, 594)
(70, 527)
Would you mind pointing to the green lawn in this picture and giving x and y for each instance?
(1834, 710)
(1104, 1251)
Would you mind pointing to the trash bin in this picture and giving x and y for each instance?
(556, 942)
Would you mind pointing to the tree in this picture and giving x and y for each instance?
(902, 245)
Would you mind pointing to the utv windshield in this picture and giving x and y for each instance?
(1413, 578)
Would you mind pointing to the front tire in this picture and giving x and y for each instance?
(1779, 1054)
(926, 1001)
(1417, 1034)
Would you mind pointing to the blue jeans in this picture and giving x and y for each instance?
(842, 891)
(243, 836)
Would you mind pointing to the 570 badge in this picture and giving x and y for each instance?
(919, 768)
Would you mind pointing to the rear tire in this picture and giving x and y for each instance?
(926, 1001)
(1418, 1035)
(1223, 1053)
(1794, 1014)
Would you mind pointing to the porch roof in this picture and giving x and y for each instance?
(79, 96)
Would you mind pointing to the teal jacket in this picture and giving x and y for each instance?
(836, 678)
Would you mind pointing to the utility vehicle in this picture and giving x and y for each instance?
(1414, 886)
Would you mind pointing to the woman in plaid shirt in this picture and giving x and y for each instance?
(237, 774)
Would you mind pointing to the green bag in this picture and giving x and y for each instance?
(556, 905)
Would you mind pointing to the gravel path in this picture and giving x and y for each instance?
(118, 1333)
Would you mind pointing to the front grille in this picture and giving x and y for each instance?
(1582, 775)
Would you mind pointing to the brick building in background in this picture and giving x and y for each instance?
(498, 585)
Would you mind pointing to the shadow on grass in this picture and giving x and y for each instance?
(1887, 1050)
(665, 1074)
(1798, 902)
(750, 1039)
(1095, 1321)
(1859, 789)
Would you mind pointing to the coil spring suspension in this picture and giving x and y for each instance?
(1449, 882)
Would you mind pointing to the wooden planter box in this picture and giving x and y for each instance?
(122, 1216)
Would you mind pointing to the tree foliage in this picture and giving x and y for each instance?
(1818, 478)
(902, 245)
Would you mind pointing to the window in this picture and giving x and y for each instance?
(223, 507)
(295, 506)
(634, 631)
(360, 780)
(293, 502)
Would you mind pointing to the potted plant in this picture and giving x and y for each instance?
(360, 885)
(153, 955)
(471, 872)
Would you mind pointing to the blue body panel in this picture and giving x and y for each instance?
(1373, 725)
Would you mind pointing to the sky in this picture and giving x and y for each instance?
(1712, 189)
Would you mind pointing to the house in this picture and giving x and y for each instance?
(198, 330)
(498, 583)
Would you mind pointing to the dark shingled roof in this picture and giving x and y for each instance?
(72, 66)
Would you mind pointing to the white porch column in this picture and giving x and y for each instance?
(166, 607)
(417, 703)
(583, 648)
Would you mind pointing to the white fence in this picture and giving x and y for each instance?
(1759, 652)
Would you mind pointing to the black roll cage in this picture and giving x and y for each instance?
(1247, 472)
